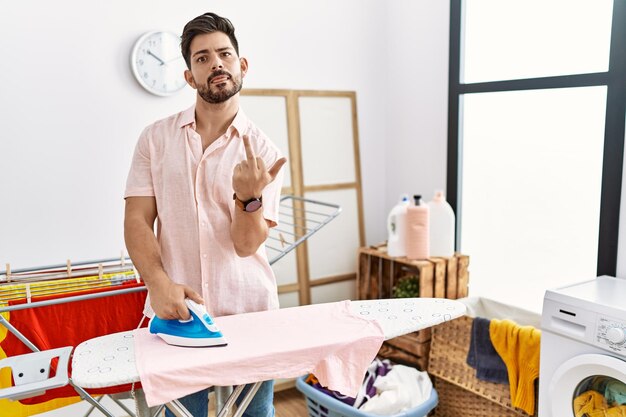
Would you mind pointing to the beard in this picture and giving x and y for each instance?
(219, 93)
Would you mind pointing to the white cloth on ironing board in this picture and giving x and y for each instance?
(327, 340)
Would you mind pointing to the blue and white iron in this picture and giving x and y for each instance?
(198, 331)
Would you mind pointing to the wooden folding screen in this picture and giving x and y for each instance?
(318, 132)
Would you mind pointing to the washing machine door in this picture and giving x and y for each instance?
(588, 385)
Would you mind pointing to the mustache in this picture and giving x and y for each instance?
(218, 73)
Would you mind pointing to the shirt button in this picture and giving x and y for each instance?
(205, 284)
(204, 255)
(203, 224)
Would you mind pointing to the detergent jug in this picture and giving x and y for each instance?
(442, 226)
(396, 228)
(417, 222)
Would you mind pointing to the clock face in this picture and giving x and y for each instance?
(158, 63)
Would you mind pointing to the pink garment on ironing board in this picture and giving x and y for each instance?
(325, 339)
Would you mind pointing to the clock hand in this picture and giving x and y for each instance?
(173, 59)
(156, 57)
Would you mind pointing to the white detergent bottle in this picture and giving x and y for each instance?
(442, 226)
(396, 244)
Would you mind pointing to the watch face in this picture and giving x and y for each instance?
(253, 205)
(158, 63)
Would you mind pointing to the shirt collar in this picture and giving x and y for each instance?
(188, 117)
(240, 122)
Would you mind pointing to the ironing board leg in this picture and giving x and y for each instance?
(91, 408)
(224, 410)
(85, 396)
(121, 405)
(178, 409)
(247, 398)
(158, 410)
(221, 396)
(141, 405)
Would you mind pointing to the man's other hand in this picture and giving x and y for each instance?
(250, 176)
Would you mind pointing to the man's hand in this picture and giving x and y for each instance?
(168, 300)
(250, 176)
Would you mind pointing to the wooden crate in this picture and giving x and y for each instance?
(438, 277)
(378, 273)
(412, 349)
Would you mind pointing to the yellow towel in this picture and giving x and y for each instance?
(618, 411)
(589, 401)
(518, 346)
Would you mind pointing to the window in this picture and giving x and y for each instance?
(535, 146)
(508, 40)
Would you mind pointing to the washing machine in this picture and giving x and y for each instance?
(583, 349)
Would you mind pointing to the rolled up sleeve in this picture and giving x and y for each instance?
(139, 182)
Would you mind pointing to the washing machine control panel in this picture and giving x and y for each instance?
(611, 334)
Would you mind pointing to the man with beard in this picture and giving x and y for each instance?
(213, 181)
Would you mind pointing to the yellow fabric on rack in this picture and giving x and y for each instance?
(10, 408)
(42, 288)
(518, 346)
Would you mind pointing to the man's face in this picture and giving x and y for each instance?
(216, 70)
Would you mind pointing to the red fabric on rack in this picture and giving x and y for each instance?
(69, 324)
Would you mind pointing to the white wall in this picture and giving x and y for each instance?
(417, 115)
(71, 110)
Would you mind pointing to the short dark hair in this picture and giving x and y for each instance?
(206, 23)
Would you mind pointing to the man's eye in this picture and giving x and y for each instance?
(226, 54)
(201, 59)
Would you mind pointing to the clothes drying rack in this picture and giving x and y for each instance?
(300, 218)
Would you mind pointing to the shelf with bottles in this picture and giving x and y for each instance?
(440, 277)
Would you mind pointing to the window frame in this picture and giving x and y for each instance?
(615, 123)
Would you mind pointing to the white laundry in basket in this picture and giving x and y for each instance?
(401, 389)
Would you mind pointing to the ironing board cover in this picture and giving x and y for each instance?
(335, 341)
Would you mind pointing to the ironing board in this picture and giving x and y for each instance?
(110, 360)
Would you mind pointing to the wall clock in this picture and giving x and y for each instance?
(158, 64)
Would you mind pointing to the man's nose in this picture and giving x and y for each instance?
(216, 64)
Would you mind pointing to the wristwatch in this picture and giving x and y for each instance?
(249, 205)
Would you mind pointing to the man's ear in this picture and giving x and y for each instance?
(244, 66)
(189, 79)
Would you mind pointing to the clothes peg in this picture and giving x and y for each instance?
(8, 273)
(28, 294)
(123, 259)
(69, 269)
(136, 275)
(100, 271)
(282, 239)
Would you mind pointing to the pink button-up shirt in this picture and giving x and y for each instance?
(194, 198)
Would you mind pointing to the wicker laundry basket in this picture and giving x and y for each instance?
(460, 392)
